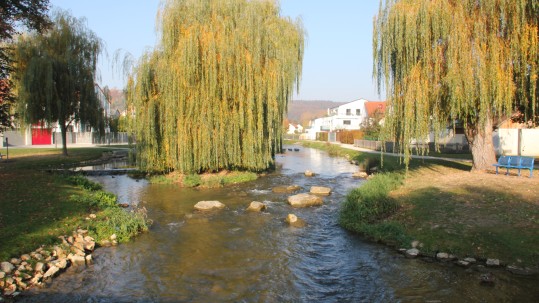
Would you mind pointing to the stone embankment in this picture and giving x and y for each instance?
(43, 264)
(468, 262)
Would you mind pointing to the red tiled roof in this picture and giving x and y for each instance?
(373, 106)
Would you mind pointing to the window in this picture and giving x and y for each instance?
(347, 122)
(358, 112)
(348, 112)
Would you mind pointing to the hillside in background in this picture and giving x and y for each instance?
(117, 102)
(300, 111)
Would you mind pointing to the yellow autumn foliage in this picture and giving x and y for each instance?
(213, 94)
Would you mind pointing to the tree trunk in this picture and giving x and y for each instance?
(481, 144)
(63, 130)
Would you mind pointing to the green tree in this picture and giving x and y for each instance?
(372, 126)
(14, 13)
(442, 60)
(214, 93)
(55, 73)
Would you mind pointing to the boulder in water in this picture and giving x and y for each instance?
(209, 205)
(286, 189)
(320, 190)
(304, 200)
(256, 206)
(309, 173)
(294, 221)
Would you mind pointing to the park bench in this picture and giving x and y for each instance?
(516, 162)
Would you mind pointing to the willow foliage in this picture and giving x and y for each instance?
(442, 60)
(55, 74)
(213, 95)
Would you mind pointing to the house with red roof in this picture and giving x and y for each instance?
(349, 116)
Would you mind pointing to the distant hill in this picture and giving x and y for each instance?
(302, 111)
(117, 102)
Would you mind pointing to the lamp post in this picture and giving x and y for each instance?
(7, 149)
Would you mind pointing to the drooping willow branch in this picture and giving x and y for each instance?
(213, 94)
(442, 60)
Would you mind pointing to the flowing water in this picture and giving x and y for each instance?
(236, 256)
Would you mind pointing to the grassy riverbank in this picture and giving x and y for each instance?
(36, 206)
(447, 209)
(207, 180)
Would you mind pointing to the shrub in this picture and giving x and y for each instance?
(81, 181)
(192, 180)
(160, 179)
(333, 150)
(239, 177)
(99, 199)
(213, 181)
(348, 136)
(104, 199)
(322, 136)
(370, 202)
(123, 224)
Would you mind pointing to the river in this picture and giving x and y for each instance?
(237, 256)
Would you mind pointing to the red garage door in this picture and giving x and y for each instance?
(41, 136)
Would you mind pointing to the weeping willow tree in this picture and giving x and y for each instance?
(469, 61)
(54, 75)
(214, 93)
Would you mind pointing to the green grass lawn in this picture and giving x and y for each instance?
(36, 206)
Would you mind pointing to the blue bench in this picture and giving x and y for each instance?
(516, 162)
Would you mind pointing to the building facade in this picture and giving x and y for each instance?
(349, 116)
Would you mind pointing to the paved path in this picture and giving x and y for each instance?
(370, 151)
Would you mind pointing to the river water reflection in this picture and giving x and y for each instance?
(236, 256)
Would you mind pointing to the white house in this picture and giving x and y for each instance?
(349, 116)
(294, 129)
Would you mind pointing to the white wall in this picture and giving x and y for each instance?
(506, 142)
(18, 137)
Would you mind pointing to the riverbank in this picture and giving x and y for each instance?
(441, 206)
(36, 207)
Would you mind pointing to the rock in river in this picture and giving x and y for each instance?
(294, 221)
(309, 173)
(304, 200)
(286, 189)
(320, 190)
(209, 205)
(256, 206)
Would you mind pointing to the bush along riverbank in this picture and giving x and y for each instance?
(442, 211)
(207, 180)
(107, 223)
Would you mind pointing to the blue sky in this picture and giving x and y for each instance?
(338, 57)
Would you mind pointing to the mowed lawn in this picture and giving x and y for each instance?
(472, 214)
(35, 205)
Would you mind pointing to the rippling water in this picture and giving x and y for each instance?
(237, 256)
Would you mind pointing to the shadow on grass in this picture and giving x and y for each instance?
(48, 158)
(476, 221)
(35, 209)
(391, 163)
